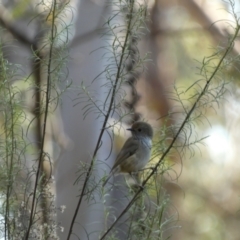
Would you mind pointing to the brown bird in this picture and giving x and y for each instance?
(136, 151)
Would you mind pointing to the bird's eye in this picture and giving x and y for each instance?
(139, 129)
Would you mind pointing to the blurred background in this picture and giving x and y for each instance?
(204, 183)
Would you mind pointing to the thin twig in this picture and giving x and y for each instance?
(48, 93)
(124, 47)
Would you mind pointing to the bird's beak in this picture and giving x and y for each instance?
(130, 129)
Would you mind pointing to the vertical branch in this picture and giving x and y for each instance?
(37, 110)
(12, 149)
(42, 130)
(107, 115)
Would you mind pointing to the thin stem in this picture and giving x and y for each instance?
(10, 173)
(105, 121)
(38, 103)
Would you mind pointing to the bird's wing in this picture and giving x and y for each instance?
(128, 149)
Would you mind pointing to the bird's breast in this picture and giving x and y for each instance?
(138, 160)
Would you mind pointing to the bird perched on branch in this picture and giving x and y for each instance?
(136, 151)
